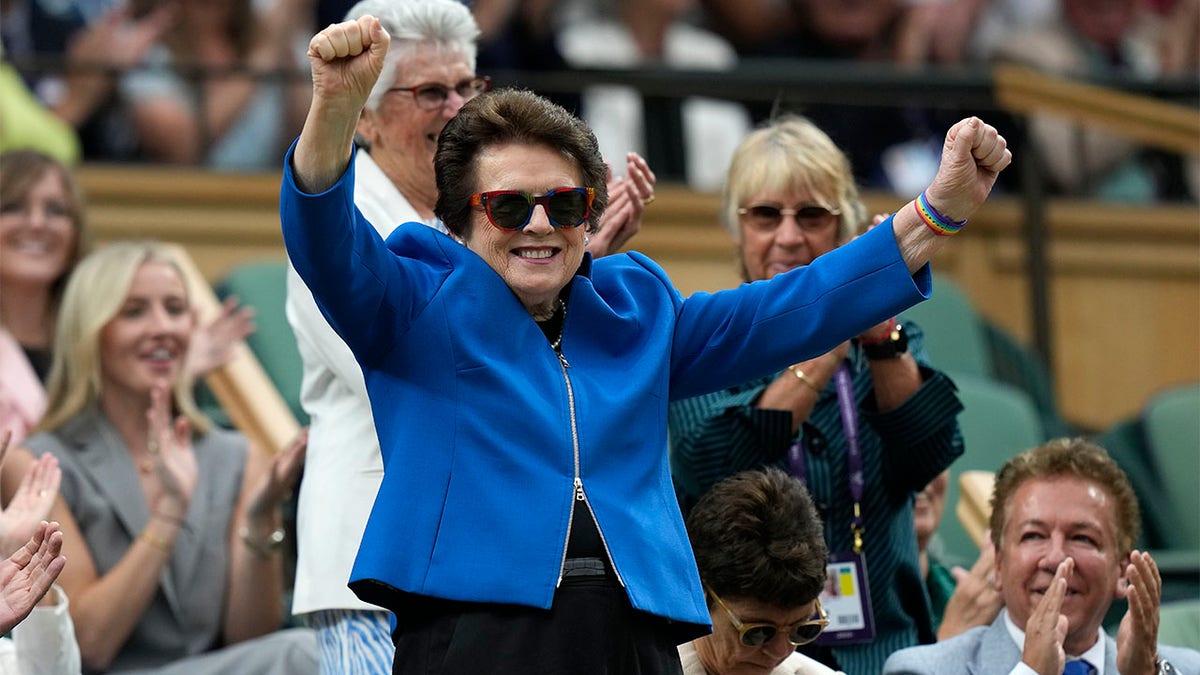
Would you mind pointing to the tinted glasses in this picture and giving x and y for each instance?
(433, 96)
(511, 210)
(759, 634)
(766, 218)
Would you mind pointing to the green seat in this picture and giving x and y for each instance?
(1127, 443)
(1013, 363)
(1172, 423)
(1179, 624)
(954, 331)
(997, 422)
(263, 286)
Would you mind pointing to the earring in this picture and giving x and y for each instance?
(586, 240)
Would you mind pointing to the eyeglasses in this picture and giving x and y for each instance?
(759, 634)
(434, 96)
(511, 210)
(765, 218)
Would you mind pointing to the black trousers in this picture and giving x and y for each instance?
(591, 629)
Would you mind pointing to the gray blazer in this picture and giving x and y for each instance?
(990, 650)
(101, 487)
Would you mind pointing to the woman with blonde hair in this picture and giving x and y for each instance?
(172, 526)
(865, 425)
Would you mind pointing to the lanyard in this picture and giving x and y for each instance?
(848, 408)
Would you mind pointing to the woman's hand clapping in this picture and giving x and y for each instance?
(170, 448)
(31, 503)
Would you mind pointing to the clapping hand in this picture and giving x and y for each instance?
(627, 200)
(27, 574)
(1137, 637)
(31, 503)
(1046, 628)
(975, 601)
(170, 448)
(278, 483)
(212, 344)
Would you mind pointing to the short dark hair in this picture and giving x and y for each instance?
(757, 535)
(1068, 457)
(509, 116)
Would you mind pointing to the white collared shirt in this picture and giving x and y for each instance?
(1094, 655)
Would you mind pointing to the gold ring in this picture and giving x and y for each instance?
(648, 200)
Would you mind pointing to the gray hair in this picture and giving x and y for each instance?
(445, 23)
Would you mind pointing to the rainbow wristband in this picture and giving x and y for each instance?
(941, 225)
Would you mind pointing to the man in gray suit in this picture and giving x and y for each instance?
(1064, 519)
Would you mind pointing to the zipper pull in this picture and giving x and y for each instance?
(579, 496)
(563, 360)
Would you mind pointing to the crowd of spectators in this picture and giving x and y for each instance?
(223, 84)
(185, 82)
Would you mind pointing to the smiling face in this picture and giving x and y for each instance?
(37, 234)
(1048, 520)
(767, 251)
(723, 653)
(147, 340)
(537, 261)
(403, 136)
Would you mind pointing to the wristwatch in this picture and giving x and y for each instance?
(895, 344)
(1164, 667)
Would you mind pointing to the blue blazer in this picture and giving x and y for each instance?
(486, 435)
(990, 650)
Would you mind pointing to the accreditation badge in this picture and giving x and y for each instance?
(847, 601)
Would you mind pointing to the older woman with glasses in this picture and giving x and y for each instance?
(526, 520)
(761, 553)
(866, 425)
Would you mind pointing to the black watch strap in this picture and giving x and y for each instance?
(895, 344)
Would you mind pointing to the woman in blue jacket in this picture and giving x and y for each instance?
(526, 521)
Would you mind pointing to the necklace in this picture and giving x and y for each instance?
(558, 340)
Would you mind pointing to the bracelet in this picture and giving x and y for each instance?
(157, 542)
(891, 326)
(941, 225)
(263, 548)
(173, 520)
(808, 381)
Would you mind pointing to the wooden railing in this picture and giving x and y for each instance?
(1125, 282)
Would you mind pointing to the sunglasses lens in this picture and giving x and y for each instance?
(509, 211)
(812, 213)
(765, 214)
(568, 208)
(806, 632)
(758, 636)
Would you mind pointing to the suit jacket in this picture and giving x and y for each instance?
(990, 650)
(101, 487)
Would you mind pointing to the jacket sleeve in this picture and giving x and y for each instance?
(760, 328)
(369, 293)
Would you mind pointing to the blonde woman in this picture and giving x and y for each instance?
(174, 526)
